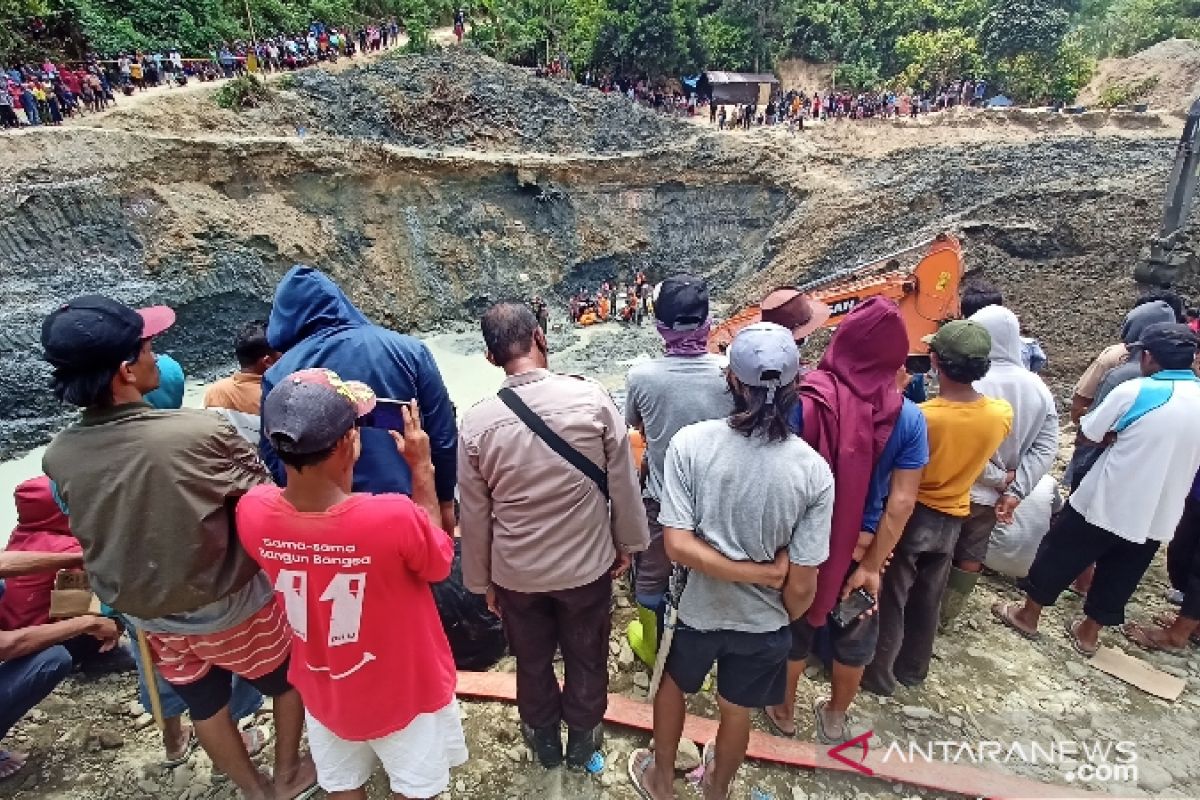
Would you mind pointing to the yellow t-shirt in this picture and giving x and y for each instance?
(962, 438)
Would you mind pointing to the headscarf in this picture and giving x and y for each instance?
(850, 404)
(686, 343)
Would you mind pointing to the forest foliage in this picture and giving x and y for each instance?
(1034, 50)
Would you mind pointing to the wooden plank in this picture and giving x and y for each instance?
(1138, 673)
(959, 778)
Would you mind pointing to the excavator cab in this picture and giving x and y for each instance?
(926, 292)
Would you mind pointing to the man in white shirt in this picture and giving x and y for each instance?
(1152, 451)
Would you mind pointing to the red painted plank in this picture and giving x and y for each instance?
(959, 778)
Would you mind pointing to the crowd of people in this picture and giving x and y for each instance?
(48, 93)
(629, 302)
(261, 547)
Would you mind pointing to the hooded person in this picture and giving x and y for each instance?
(1087, 389)
(1019, 463)
(314, 324)
(42, 527)
(850, 407)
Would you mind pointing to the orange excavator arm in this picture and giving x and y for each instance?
(927, 293)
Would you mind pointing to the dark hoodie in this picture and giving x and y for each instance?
(849, 405)
(314, 324)
(41, 528)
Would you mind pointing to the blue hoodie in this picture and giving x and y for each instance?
(314, 324)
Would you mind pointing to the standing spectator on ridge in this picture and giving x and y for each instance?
(550, 515)
(665, 394)
(1153, 450)
(965, 427)
(240, 395)
(150, 495)
(852, 413)
(1020, 462)
(752, 539)
(314, 324)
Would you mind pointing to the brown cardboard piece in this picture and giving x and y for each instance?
(1138, 673)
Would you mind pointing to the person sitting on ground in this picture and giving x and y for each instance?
(150, 495)
(314, 324)
(543, 535)
(1020, 462)
(34, 658)
(43, 528)
(1151, 450)
(687, 384)
(965, 428)
(342, 655)
(749, 574)
(852, 413)
(239, 396)
(1171, 633)
(1013, 545)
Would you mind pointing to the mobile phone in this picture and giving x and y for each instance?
(386, 415)
(853, 607)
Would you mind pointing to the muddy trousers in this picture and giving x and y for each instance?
(910, 600)
(576, 622)
(1071, 545)
(1183, 559)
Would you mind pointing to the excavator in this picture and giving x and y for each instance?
(923, 280)
(1170, 251)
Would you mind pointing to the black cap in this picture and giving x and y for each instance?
(94, 331)
(1168, 341)
(681, 302)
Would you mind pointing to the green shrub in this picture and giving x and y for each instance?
(247, 91)
(1123, 94)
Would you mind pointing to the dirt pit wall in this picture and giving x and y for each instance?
(418, 242)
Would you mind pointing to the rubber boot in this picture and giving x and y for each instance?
(582, 745)
(643, 635)
(958, 589)
(545, 743)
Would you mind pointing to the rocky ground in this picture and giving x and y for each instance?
(178, 201)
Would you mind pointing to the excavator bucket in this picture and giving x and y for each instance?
(926, 292)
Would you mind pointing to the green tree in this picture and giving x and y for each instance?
(1013, 28)
(934, 58)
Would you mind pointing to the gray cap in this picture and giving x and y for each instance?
(764, 354)
(310, 410)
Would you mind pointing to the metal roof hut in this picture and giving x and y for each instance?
(738, 88)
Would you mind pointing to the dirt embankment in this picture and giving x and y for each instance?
(1165, 75)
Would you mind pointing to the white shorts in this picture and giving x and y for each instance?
(417, 759)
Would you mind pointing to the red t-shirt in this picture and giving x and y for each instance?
(368, 650)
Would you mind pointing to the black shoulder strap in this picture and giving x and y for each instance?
(556, 442)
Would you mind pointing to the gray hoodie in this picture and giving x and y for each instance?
(1032, 443)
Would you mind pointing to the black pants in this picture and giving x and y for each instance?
(1071, 545)
(1183, 559)
(911, 598)
(577, 622)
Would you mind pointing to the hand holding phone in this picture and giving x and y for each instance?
(858, 603)
(387, 415)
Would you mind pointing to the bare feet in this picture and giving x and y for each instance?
(265, 789)
(11, 763)
(296, 781)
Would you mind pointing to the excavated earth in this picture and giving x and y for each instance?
(430, 187)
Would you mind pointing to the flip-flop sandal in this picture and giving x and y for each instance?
(1080, 647)
(1164, 619)
(775, 727)
(640, 760)
(1003, 612)
(8, 771)
(170, 762)
(707, 756)
(1141, 637)
(822, 734)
